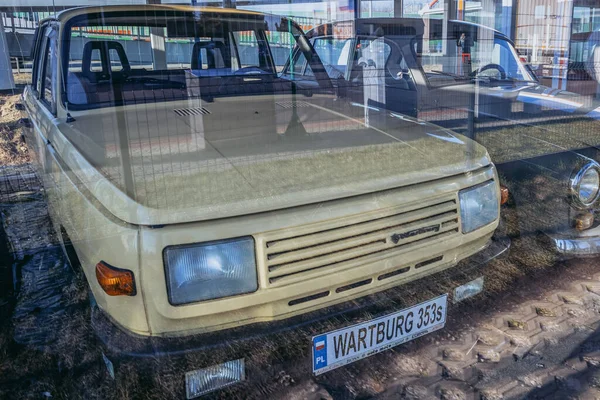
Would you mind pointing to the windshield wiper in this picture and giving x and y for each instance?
(515, 80)
(145, 80)
(492, 79)
(455, 76)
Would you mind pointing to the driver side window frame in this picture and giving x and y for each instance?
(306, 71)
(38, 58)
(287, 71)
(48, 59)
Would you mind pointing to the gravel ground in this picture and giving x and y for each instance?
(533, 333)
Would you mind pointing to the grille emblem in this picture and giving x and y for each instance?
(396, 237)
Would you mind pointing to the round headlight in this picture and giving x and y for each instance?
(588, 188)
(585, 185)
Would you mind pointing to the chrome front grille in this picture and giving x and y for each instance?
(316, 250)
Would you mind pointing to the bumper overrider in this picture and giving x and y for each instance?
(282, 340)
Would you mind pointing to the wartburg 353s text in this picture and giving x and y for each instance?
(207, 198)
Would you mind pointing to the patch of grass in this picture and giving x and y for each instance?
(13, 149)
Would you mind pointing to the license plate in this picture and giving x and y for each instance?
(344, 346)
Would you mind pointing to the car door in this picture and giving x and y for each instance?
(30, 96)
(438, 97)
(40, 102)
(401, 93)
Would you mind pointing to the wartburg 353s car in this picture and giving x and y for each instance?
(208, 199)
(544, 142)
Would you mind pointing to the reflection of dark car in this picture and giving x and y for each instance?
(409, 67)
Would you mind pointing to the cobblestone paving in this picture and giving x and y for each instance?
(546, 348)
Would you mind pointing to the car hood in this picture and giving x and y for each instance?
(531, 120)
(193, 160)
(555, 99)
(558, 100)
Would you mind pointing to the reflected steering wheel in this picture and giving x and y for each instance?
(497, 67)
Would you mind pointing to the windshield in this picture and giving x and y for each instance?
(474, 55)
(478, 54)
(116, 58)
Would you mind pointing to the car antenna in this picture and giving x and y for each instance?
(69, 116)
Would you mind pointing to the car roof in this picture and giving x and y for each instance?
(405, 21)
(74, 12)
(479, 26)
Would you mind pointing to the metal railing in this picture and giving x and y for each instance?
(21, 21)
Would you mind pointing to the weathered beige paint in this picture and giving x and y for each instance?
(251, 169)
(356, 168)
(96, 235)
(270, 303)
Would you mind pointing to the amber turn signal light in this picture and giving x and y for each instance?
(503, 195)
(583, 221)
(115, 281)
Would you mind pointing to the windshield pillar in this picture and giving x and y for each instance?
(448, 50)
(398, 8)
(157, 42)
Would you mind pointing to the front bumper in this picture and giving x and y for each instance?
(576, 244)
(289, 338)
(577, 247)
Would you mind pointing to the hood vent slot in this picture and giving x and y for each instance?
(293, 104)
(187, 112)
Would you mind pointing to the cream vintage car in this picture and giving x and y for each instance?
(202, 192)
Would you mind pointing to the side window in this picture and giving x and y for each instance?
(47, 79)
(282, 46)
(333, 52)
(39, 63)
(115, 60)
(38, 38)
(48, 72)
(204, 58)
(300, 65)
(96, 61)
(248, 50)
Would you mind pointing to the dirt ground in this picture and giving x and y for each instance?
(22, 79)
(532, 333)
(13, 150)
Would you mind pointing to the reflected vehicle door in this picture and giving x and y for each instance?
(489, 78)
(379, 76)
(401, 94)
(443, 83)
